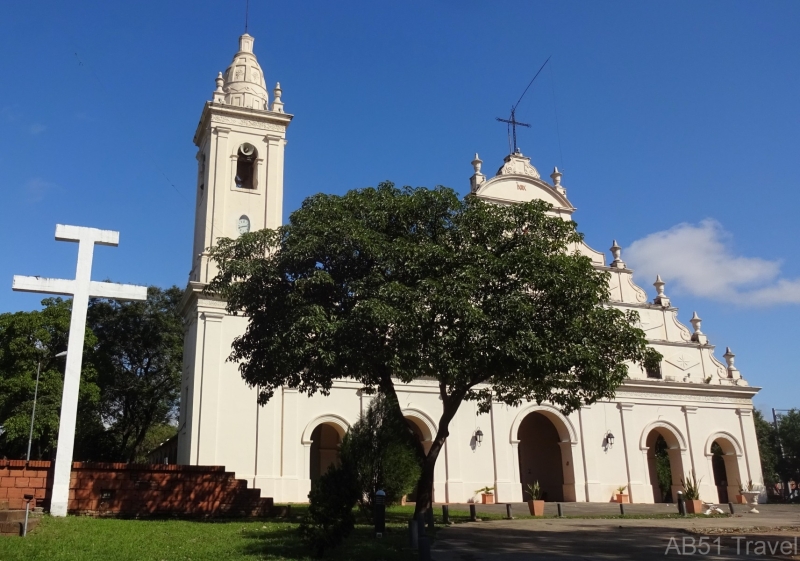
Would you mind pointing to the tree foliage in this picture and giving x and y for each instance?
(26, 340)
(139, 359)
(768, 448)
(130, 377)
(386, 285)
(330, 518)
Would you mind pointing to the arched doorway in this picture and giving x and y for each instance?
(724, 458)
(545, 456)
(423, 433)
(326, 439)
(664, 463)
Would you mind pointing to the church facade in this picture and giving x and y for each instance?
(694, 414)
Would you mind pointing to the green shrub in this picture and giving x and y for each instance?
(380, 450)
(330, 516)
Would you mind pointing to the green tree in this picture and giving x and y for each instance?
(768, 449)
(26, 339)
(386, 285)
(788, 436)
(663, 469)
(139, 358)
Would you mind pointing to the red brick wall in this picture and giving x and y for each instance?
(104, 489)
(18, 478)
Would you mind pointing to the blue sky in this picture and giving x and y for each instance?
(675, 124)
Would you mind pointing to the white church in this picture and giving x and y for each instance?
(696, 407)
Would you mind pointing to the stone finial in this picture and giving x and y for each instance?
(477, 178)
(219, 94)
(696, 322)
(661, 299)
(729, 357)
(556, 177)
(698, 336)
(616, 252)
(277, 103)
(477, 163)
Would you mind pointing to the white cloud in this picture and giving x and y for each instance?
(699, 259)
(36, 128)
(36, 189)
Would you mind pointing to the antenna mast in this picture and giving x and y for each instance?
(513, 120)
(246, 14)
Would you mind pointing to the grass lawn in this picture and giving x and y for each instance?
(107, 539)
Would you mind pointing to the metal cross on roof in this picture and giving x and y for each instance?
(513, 120)
(514, 123)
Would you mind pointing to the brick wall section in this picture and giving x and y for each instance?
(18, 478)
(136, 490)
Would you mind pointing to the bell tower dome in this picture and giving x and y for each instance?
(244, 79)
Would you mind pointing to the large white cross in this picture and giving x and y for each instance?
(81, 289)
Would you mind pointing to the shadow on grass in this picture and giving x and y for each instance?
(278, 538)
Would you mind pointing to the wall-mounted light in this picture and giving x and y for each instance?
(479, 436)
(608, 441)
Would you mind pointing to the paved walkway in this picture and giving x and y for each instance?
(625, 538)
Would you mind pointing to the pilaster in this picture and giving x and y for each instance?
(593, 487)
(750, 448)
(209, 366)
(639, 490)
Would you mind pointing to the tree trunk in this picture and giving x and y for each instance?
(387, 389)
(450, 406)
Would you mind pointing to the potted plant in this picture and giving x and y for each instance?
(487, 495)
(622, 496)
(751, 496)
(536, 504)
(691, 492)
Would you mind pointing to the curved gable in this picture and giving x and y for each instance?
(508, 189)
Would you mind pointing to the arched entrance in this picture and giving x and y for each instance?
(545, 455)
(665, 463)
(326, 439)
(723, 452)
(419, 425)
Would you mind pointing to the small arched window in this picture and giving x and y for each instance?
(246, 166)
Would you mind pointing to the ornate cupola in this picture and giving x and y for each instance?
(243, 82)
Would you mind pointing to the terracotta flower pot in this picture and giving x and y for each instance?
(487, 498)
(536, 507)
(741, 500)
(694, 507)
(622, 498)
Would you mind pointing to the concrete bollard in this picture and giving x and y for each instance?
(472, 515)
(681, 504)
(445, 514)
(622, 509)
(379, 513)
(509, 514)
(560, 512)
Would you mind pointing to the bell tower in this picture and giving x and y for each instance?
(240, 139)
